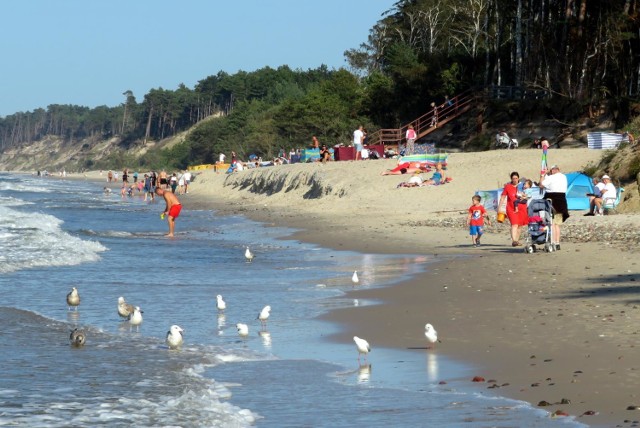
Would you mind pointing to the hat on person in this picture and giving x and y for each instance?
(554, 167)
(606, 177)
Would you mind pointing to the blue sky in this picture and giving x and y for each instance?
(88, 52)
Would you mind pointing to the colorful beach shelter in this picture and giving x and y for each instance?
(578, 185)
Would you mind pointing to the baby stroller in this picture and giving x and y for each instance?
(503, 140)
(539, 229)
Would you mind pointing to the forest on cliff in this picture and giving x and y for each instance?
(583, 54)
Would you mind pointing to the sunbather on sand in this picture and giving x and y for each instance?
(406, 168)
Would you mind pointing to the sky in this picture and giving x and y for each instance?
(88, 52)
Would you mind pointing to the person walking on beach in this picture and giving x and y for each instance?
(411, 139)
(475, 220)
(172, 208)
(519, 218)
(555, 185)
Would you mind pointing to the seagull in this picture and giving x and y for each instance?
(221, 304)
(124, 309)
(263, 315)
(355, 278)
(363, 347)
(243, 330)
(430, 333)
(73, 298)
(174, 337)
(135, 318)
(77, 337)
(248, 255)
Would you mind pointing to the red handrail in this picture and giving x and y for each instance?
(429, 121)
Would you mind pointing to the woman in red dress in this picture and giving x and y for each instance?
(519, 218)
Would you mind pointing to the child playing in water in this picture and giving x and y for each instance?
(475, 220)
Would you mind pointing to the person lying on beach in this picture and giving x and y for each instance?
(414, 181)
(406, 168)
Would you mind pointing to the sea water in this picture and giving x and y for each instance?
(56, 234)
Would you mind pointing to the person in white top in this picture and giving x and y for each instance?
(358, 138)
(222, 158)
(411, 139)
(555, 185)
(187, 180)
(608, 192)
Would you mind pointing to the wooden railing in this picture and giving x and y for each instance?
(429, 121)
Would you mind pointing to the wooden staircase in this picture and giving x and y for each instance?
(428, 122)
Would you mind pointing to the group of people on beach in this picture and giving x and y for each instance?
(514, 200)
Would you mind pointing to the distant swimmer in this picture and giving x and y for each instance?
(77, 337)
(172, 208)
(73, 298)
(106, 190)
(124, 309)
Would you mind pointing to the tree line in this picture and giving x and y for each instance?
(583, 52)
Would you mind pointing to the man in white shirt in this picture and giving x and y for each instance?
(358, 138)
(555, 185)
(608, 192)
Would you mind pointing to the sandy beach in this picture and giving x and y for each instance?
(559, 328)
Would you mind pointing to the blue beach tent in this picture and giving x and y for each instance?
(578, 185)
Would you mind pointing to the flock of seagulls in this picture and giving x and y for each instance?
(175, 338)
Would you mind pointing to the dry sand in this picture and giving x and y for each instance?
(541, 327)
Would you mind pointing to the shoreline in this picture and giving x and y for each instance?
(545, 327)
(472, 306)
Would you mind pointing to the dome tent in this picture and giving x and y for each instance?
(578, 185)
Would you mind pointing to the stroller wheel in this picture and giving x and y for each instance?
(529, 249)
(548, 248)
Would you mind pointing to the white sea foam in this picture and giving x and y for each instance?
(32, 239)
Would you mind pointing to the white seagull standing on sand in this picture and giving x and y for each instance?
(264, 315)
(174, 337)
(73, 298)
(355, 278)
(431, 334)
(363, 347)
(136, 317)
(248, 255)
(124, 309)
(243, 329)
(77, 337)
(220, 304)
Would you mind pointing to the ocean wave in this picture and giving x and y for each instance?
(37, 239)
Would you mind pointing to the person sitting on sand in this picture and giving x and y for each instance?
(438, 176)
(325, 154)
